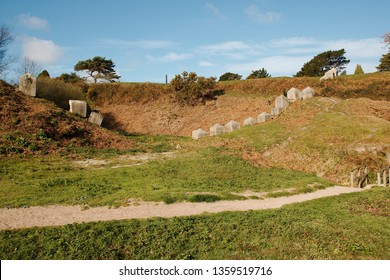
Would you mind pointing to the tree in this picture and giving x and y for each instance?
(386, 39)
(30, 66)
(323, 62)
(384, 64)
(44, 74)
(258, 74)
(229, 77)
(70, 78)
(98, 68)
(5, 39)
(358, 70)
(189, 88)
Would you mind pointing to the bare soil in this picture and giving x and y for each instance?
(44, 216)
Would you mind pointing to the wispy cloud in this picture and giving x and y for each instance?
(205, 64)
(32, 22)
(216, 12)
(170, 57)
(254, 13)
(225, 47)
(143, 44)
(45, 52)
(285, 56)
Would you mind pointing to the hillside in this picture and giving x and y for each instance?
(36, 126)
(345, 125)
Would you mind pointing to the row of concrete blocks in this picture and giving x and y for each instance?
(81, 108)
(231, 126)
(281, 104)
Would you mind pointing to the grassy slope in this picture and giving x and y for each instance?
(213, 170)
(353, 226)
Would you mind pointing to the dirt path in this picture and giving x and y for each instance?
(43, 216)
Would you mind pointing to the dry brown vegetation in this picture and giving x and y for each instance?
(36, 126)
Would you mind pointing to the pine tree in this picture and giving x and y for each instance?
(358, 70)
(384, 63)
(324, 62)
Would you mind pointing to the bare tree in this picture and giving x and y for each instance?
(5, 39)
(28, 65)
(386, 39)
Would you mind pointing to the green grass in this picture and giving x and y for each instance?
(351, 226)
(217, 170)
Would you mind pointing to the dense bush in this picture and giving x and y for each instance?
(191, 89)
(229, 77)
(59, 92)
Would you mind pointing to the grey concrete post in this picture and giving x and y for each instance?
(379, 179)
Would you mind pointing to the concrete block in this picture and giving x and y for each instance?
(293, 94)
(79, 107)
(28, 85)
(281, 102)
(199, 133)
(308, 92)
(263, 117)
(217, 129)
(96, 118)
(232, 126)
(250, 121)
(276, 111)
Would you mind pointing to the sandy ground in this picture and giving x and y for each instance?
(43, 216)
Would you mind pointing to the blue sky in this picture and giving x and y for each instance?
(149, 39)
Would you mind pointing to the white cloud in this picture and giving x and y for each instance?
(215, 11)
(33, 22)
(254, 13)
(45, 52)
(143, 44)
(170, 57)
(275, 65)
(225, 47)
(206, 64)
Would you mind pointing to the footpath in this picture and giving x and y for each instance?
(56, 215)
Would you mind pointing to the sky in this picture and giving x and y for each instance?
(149, 39)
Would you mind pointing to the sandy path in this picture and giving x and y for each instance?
(43, 216)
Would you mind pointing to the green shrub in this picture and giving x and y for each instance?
(191, 89)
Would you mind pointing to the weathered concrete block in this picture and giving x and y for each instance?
(293, 94)
(276, 111)
(217, 129)
(96, 118)
(263, 117)
(307, 93)
(232, 126)
(330, 74)
(281, 102)
(199, 133)
(28, 84)
(79, 107)
(250, 121)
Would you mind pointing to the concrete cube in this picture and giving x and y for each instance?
(28, 85)
(217, 129)
(79, 107)
(232, 126)
(250, 121)
(307, 93)
(281, 102)
(276, 111)
(199, 133)
(263, 117)
(293, 94)
(96, 118)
